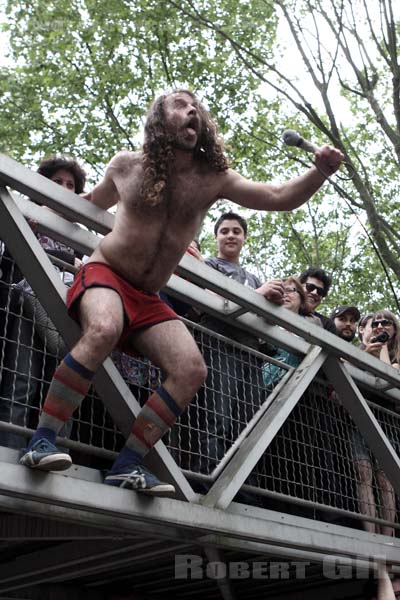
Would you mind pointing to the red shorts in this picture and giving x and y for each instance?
(141, 309)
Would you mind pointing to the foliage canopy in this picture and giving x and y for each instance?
(84, 72)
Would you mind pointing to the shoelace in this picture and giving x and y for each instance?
(137, 479)
(44, 445)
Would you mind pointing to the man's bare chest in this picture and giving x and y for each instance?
(183, 198)
(192, 193)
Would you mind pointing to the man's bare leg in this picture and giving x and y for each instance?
(170, 346)
(101, 315)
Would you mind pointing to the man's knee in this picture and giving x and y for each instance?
(103, 333)
(197, 371)
(193, 372)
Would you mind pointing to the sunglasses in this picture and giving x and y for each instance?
(382, 323)
(310, 287)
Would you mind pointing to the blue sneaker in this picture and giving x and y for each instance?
(45, 456)
(140, 479)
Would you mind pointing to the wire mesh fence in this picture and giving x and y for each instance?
(317, 459)
(30, 351)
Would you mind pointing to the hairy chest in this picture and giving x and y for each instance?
(181, 200)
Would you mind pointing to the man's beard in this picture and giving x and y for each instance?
(349, 337)
(181, 142)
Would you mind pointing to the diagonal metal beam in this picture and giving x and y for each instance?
(354, 402)
(115, 394)
(253, 447)
(250, 426)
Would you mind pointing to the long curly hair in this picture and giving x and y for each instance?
(158, 148)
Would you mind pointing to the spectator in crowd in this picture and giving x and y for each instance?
(361, 454)
(316, 283)
(386, 323)
(364, 326)
(232, 390)
(34, 346)
(230, 232)
(345, 319)
(280, 455)
(9, 274)
(380, 338)
(295, 300)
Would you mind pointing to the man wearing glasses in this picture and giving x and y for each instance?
(316, 283)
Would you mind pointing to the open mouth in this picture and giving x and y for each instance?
(192, 126)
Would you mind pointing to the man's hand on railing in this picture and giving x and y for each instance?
(272, 290)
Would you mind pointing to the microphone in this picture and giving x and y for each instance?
(292, 138)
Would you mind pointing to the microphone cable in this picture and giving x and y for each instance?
(342, 194)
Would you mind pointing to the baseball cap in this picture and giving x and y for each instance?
(340, 310)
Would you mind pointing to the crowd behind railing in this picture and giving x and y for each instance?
(318, 465)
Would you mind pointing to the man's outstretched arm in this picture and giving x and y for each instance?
(287, 196)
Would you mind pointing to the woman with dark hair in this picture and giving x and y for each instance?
(381, 338)
(34, 345)
(57, 166)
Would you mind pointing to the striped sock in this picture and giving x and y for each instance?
(157, 416)
(70, 384)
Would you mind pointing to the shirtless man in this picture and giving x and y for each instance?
(163, 194)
